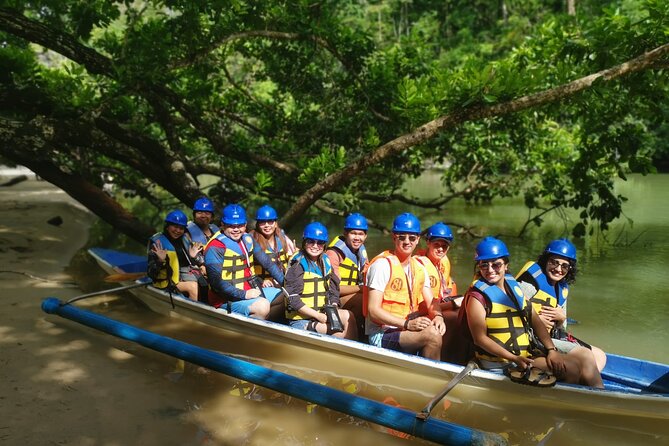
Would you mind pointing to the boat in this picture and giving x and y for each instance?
(635, 398)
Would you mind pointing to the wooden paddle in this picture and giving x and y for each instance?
(425, 413)
(123, 277)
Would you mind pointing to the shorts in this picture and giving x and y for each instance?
(564, 346)
(186, 274)
(388, 338)
(242, 306)
(303, 324)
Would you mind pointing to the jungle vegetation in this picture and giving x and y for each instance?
(326, 105)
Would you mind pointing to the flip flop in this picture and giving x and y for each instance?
(531, 376)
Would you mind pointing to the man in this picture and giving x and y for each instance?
(435, 259)
(229, 261)
(348, 257)
(401, 314)
(201, 229)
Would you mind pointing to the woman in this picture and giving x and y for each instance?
(173, 261)
(311, 286)
(273, 241)
(501, 324)
(546, 284)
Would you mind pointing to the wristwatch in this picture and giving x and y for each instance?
(552, 348)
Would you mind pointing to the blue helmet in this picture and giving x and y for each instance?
(406, 223)
(561, 247)
(490, 248)
(316, 231)
(176, 217)
(439, 230)
(266, 213)
(356, 221)
(203, 204)
(233, 214)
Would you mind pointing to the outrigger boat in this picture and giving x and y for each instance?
(636, 397)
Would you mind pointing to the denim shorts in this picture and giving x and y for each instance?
(242, 306)
(303, 324)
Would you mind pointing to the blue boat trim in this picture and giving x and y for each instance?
(403, 420)
(621, 374)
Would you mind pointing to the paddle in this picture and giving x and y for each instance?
(111, 290)
(122, 277)
(424, 414)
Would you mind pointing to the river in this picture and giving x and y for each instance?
(618, 302)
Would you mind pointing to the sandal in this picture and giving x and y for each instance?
(532, 376)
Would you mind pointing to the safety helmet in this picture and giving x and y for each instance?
(316, 231)
(490, 248)
(266, 213)
(233, 214)
(406, 223)
(203, 204)
(176, 217)
(561, 247)
(355, 221)
(439, 230)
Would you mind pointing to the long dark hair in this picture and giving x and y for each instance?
(263, 242)
(571, 274)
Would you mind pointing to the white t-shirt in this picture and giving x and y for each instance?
(378, 276)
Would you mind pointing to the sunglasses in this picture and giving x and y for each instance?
(496, 266)
(402, 237)
(266, 222)
(564, 266)
(310, 241)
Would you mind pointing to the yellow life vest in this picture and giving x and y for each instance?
(547, 294)
(278, 256)
(169, 272)
(314, 293)
(400, 298)
(237, 260)
(504, 322)
(351, 266)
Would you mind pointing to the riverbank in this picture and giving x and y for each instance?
(58, 384)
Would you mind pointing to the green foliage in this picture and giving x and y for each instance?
(317, 86)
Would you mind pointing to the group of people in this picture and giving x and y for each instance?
(403, 299)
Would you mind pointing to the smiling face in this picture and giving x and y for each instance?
(202, 218)
(175, 231)
(313, 248)
(235, 232)
(557, 268)
(355, 238)
(493, 271)
(267, 227)
(437, 248)
(405, 244)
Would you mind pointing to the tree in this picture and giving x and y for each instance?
(299, 104)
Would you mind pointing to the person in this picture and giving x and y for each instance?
(501, 324)
(435, 259)
(229, 259)
(273, 241)
(400, 311)
(546, 284)
(311, 285)
(201, 229)
(173, 261)
(348, 257)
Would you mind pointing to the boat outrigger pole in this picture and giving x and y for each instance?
(403, 420)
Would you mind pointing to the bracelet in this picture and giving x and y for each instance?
(438, 314)
(552, 349)
(406, 324)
